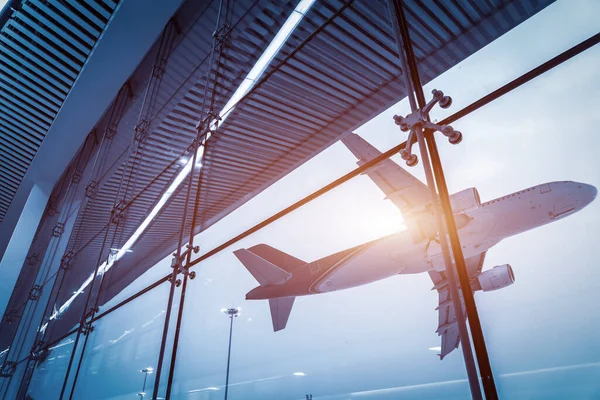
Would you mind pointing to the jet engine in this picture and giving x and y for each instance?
(498, 277)
(465, 200)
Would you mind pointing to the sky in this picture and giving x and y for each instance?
(372, 342)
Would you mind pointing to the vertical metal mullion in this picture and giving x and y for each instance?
(396, 16)
(26, 380)
(485, 369)
(201, 132)
(78, 335)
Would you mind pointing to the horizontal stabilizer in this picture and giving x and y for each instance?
(280, 311)
(265, 272)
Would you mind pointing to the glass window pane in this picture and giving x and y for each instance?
(376, 339)
(49, 374)
(122, 345)
(542, 138)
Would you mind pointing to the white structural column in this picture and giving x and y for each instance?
(20, 241)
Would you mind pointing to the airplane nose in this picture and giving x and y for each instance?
(588, 193)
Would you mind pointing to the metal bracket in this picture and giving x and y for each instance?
(118, 212)
(76, 177)
(58, 229)
(221, 35)
(110, 132)
(39, 351)
(159, 68)
(419, 119)
(11, 316)
(179, 268)
(85, 325)
(141, 130)
(51, 211)
(35, 292)
(8, 369)
(33, 259)
(65, 261)
(90, 189)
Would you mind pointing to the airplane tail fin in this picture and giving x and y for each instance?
(277, 257)
(270, 266)
(265, 272)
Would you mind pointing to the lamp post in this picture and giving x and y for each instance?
(146, 371)
(231, 313)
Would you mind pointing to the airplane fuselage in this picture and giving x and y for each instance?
(479, 230)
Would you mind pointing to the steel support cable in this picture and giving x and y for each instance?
(88, 314)
(205, 113)
(119, 107)
(167, 39)
(57, 293)
(79, 331)
(76, 170)
(150, 95)
(483, 361)
(507, 88)
(91, 315)
(44, 270)
(201, 63)
(203, 124)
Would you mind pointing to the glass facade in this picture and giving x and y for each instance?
(376, 340)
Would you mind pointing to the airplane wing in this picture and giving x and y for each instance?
(405, 191)
(448, 328)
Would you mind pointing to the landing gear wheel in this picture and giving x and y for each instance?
(456, 138)
(178, 282)
(192, 274)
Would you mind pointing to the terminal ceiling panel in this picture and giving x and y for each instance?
(43, 47)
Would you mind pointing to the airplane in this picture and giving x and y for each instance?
(282, 277)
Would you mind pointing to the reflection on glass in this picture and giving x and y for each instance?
(540, 329)
(48, 376)
(339, 342)
(122, 350)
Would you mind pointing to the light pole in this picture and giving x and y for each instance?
(231, 313)
(146, 371)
